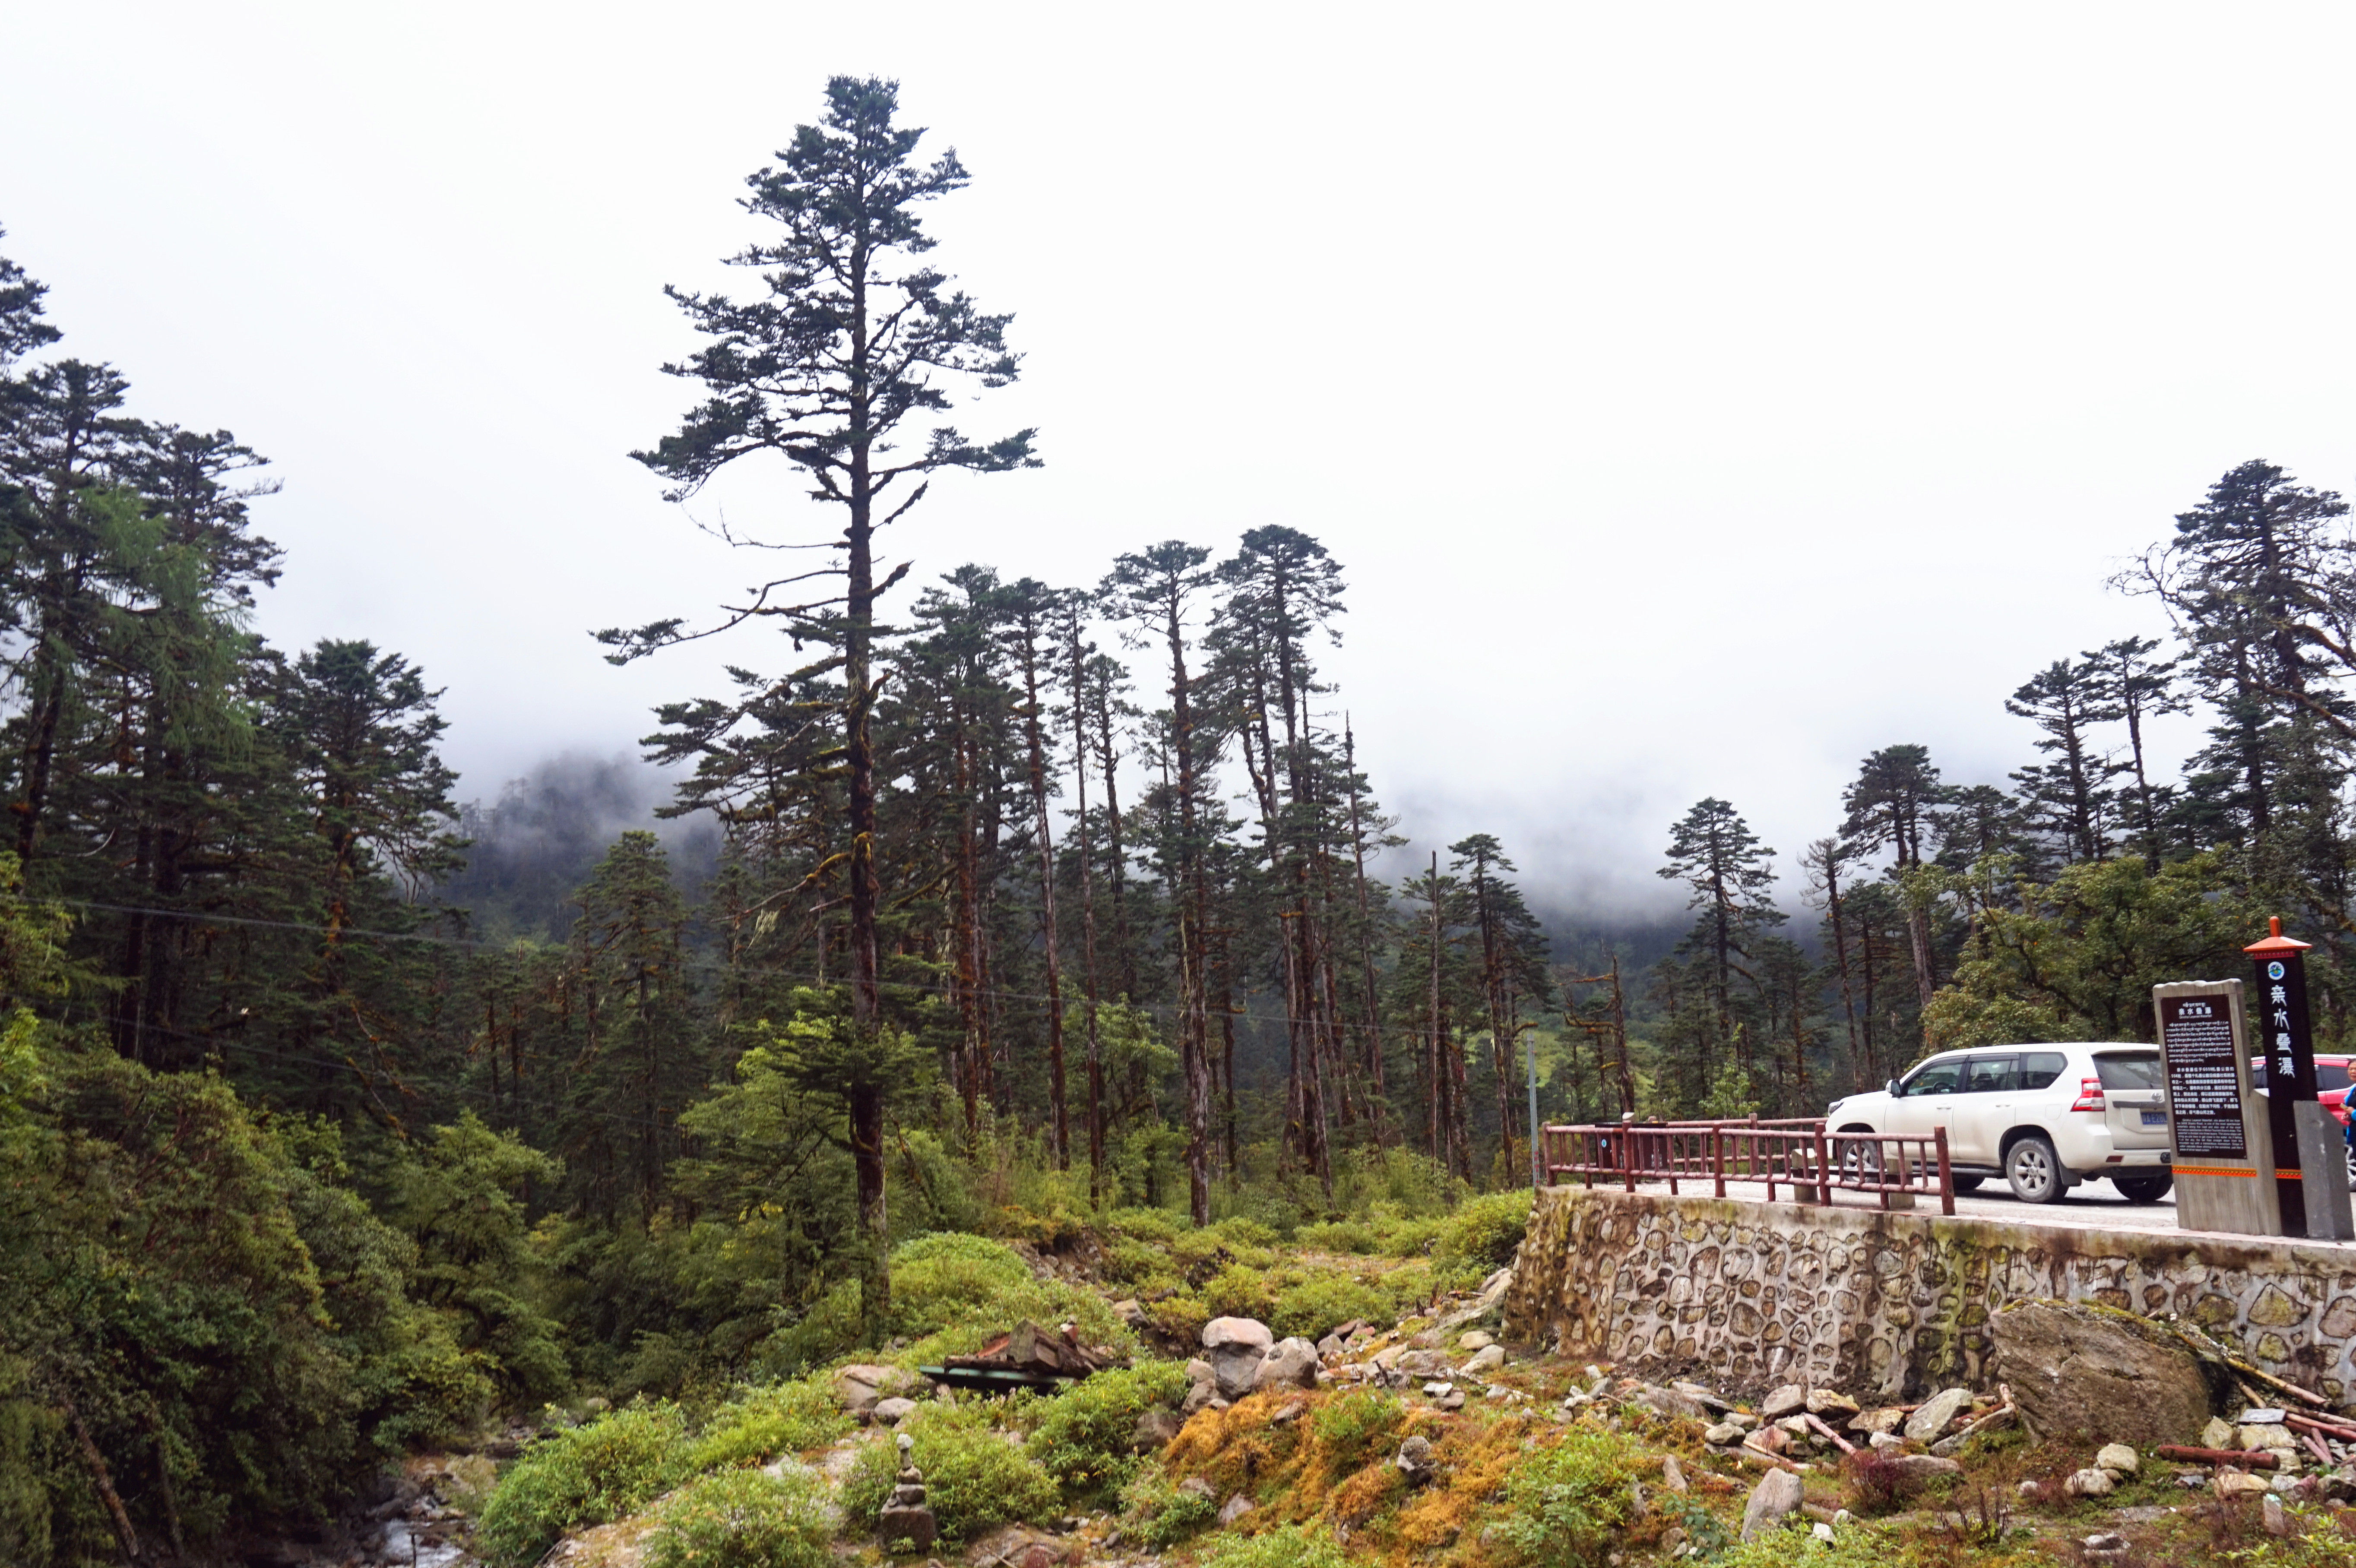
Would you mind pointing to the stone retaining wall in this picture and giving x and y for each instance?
(1752, 1294)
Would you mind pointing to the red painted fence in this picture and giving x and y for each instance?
(1799, 1155)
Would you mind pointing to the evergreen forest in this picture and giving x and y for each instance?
(1019, 911)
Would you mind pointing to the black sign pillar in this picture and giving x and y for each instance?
(2287, 1044)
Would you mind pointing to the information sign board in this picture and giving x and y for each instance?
(2223, 1151)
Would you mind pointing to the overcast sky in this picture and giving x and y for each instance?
(1698, 396)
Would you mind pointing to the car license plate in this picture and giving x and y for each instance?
(2155, 1118)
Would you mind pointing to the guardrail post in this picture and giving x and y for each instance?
(1823, 1168)
(1717, 1155)
(1946, 1177)
(1628, 1153)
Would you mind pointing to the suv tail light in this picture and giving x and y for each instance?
(2089, 1095)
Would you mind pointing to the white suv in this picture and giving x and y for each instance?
(2045, 1118)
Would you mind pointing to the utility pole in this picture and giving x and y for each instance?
(1538, 1173)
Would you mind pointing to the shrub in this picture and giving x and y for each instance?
(780, 1418)
(1324, 1301)
(1569, 1503)
(1482, 1236)
(1337, 1236)
(744, 1519)
(974, 1478)
(1161, 1515)
(1874, 1483)
(951, 1292)
(591, 1475)
(1082, 1436)
(1237, 1291)
(1354, 1428)
(1857, 1546)
(1287, 1546)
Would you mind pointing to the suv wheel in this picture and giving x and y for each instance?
(1972, 1184)
(2143, 1189)
(2035, 1171)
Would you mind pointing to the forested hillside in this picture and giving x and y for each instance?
(1012, 905)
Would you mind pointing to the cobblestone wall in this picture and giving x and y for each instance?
(1750, 1293)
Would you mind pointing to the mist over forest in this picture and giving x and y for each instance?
(962, 922)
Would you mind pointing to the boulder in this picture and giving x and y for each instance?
(1237, 1345)
(1723, 1435)
(2269, 1438)
(1291, 1363)
(1789, 1400)
(1488, 1358)
(1153, 1431)
(2096, 1374)
(2218, 1434)
(1776, 1495)
(1673, 1475)
(2119, 1459)
(1221, 1332)
(862, 1387)
(1888, 1418)
(915, 1526)
(1828, 1403)
(1923, 1467)
(1477, 1340)
(2090, 1482)
(890, 1411)
(1931, 1420)
(2234, 1483)
(1235, 1508)
(1414, 1460)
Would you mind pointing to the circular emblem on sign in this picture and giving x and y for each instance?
(2274, 970)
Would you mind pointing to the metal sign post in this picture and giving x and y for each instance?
(2288, 1045)
(2222, 1147)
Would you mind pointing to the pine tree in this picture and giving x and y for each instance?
(1713, 851)
(840, 372)
(2065, 701)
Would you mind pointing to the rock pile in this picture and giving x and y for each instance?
(906, 1518)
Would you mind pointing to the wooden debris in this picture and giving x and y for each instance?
(2257, 1459)
(1837, 1441)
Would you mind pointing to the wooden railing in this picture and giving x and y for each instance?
(1798, 1155)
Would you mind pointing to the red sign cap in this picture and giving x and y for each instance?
(2276, 942)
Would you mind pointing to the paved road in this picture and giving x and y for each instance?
(2092, 1206)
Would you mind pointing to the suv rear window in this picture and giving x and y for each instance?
(2038, 1069)
(2119, 1069)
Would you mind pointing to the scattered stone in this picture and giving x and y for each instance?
(1822, 1531)
(1291, 1364)
(2103, 1546)
(1702, 1396)
(1235, 1508)
(1130, 1312)
(1436, 1390)
(1673, 1475)
(1195, 1487)
(2269, 1436)
(1789, 1400)
(1922, 1467)
(1477, 1340)
(1453, 1400)
(1742, 1418)
(2234, 1483)
(2118, 1459)
(1237, 1347)
(2090, 1482)
(1333, 1345)
(1414, 1461)
(1776, 1495)
(2093, 1374)
(1929, 1422)
(890, 1411)
(1843, 1518)
(1882, 1442)
(2262, 1416)
(1796, 1427)
(1153, 1431)
(1724, 1434)
(1828, 1403)
(1487, 1359)
(2218, 1434)
(1888, 1418)
(1287, 1413)
(2277, 1517)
